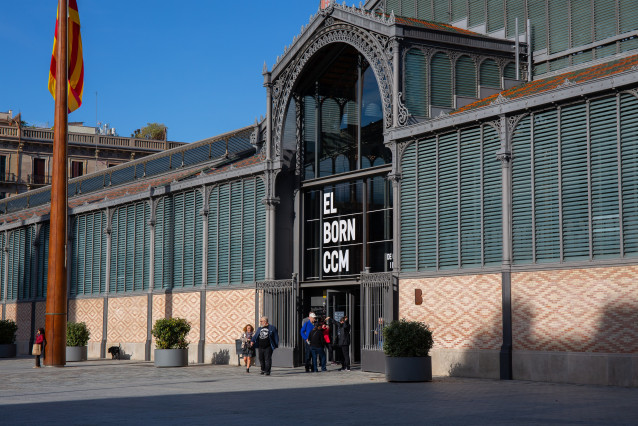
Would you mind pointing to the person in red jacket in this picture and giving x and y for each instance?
(39, 340)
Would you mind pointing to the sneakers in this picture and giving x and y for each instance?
(262, 373)
(268, 373)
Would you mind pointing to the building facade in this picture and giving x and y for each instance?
(406, 168)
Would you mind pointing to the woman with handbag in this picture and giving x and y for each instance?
(38, 347)
(247, 349)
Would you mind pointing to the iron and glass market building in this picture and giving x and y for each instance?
(419, 159)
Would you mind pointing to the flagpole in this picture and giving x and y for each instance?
(56, 304)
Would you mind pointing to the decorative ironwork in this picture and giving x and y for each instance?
(364, 41)
(404, 114)
(270, 284)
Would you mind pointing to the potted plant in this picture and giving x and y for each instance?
(407, 345)
(8, 329)
(170, 342)
(77, 338)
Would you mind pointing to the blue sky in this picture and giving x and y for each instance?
(193, 65)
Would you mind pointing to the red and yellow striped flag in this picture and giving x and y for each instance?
(76, 63)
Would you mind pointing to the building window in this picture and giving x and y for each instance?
(77, 169)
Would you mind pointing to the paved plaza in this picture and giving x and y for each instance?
(130, 392)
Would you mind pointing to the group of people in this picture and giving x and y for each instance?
(316, 336)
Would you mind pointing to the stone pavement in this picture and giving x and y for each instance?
(133, 392)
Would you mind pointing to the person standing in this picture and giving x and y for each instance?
(40, 341)
(266, 339)
(317, 343)
(307, 326)
(343, 341)
(248, 350)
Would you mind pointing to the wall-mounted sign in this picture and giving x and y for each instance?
(337, 232)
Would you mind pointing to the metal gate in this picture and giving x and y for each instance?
(277, 300)
(379, 306)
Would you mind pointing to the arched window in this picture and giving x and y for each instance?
(416, 83)
(465, 77)
(441, 80)
(489, 74)
(510, 70)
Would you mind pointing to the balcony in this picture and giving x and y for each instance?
(8, 178)
(39, 180)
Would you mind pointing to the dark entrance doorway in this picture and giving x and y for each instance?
(336, 302)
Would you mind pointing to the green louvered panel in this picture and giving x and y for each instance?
(114, 251)
(574, 182)
(164, 243)
(546, 187)
(26, 283)
(558, 64)
(141, 243)
(236, 196)
(188, 244)
(492, 198)
(87, 265)
(129, 246)
(605, 51)
(2, 265)
(629, 147)
(416, 98)
(224, 235)
(119, 249)
(146, 280)
(16, 259)
(537, 14)
(213, 235)
(629, 44)
(260, 236)
(43, 261)
(581, 24)
(477, 12)
(471, 197)
(540, 68)
(393, 5)
(441, 82)
(558, 25)
(408, 8)
(448, 202)
(495, 15)
(465, 77)
(76, 266)
(248, 231)
(489, 74)
(604, 178)
(426, 219)
(424, 10)
(581, 57)
(510, 70)
(309, 135)
(179, 239)
(83, 266)
(98, 258)
(605, 19)
(409, 209)
(198, 246)
(459, 10)
(628, 15)
(522, 193)
(441, 10)
(515, 9)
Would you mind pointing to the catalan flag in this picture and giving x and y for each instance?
(76, 63)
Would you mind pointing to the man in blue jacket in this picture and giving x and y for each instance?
(306, 328)
(266, 339)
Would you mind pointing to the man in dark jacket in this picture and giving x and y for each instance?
(306, 327)
(343, 340)
(317, 343)
(266, 339)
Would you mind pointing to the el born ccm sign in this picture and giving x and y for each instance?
(334, 232)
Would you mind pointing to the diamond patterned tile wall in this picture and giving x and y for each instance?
(578, 310)
(463, 312)
(21, 314)
(91, 312)
(227, 312)
(187, 305)
(127, 319)
(40, 309)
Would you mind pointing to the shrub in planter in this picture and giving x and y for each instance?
(8, 329)
(170, 341)
(170, 333)
(77, 337)
(407, 345)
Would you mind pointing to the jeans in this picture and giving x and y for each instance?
(322, 355)
(307, 356)
(265, 359)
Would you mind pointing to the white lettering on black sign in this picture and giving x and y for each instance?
(336, 231)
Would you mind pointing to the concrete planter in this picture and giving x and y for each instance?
(8, 350)
(76, 353)
(171, 357)
(408, 369)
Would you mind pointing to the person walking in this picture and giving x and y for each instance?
(343, 341)
(317, 343)
(39, 346)
(248, 350)
(307, 326)
(266, 339)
